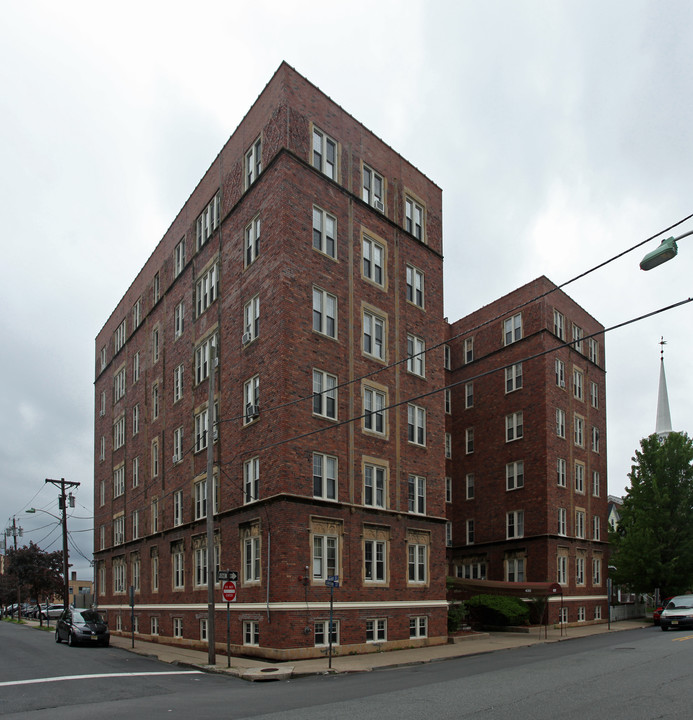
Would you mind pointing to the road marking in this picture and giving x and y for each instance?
(681, 639)
(60, 678)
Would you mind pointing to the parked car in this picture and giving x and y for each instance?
(678, 612)
(658, 610)
(52, 611)
(82, 626)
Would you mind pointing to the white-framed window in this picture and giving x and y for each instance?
(468, 350)
(136, 367)
(324, 312)
(320, 630)
(562, 521)
(512, 329)
(513, 426)
(136, 471)
(324, 154)
(515, 524)
(155, 457)
(560, 423)
(579, 523)
(119, 385)
(154, 626)
(208, 221)
(469, 395)
(202, 355)
(102, 448)
(594, 394)
(374, 402)
(177, 627)
(563, 616)
(469, 486)
(579, 430)
(137, 314)
(593, 350)
(102, 541)
(119, 530)
(102, 493)
(200, 566)
(325, 394)
(448, 489)
(178, 383)
(414, 218)
(251, 633)
(155, 516)
(200, 497)
(251, 399)
(416, 355)
(177, 508)
(206, 289)
(102, 409)
(560, 372)
(374, 485)
(251, 559)
(579, 478)
(416, 424)
(253, 163)
(325, 556)
(415, 286)
(155, 401)
(561, 472)
(374, 334)
(324, 232)
(448, 445)
(119, 572)
(597, 573)
(373, 191)
(513, 377)
(373, 261)
(103, 358)
(252, 241)
(595, 438)
(578, 384)
(469, 531)
(472, 570)
(119, 432)
(447, 357)
(580, 570)
(156, 288)
(374, 561)
(178, 319)
(515, 569)
(179, 258)
(135, 569)
(577, 337)
(376, 630)
(418, 626)
(447, 399)
(251, 480)
(469, 440)
(324, 476)
(559, 324)
(596, 528)
(136, 419)
(417, 562)
(598, 609)
(595, 483)
(119, 336)
(417, 494)
(203, 629)
(119, 481)
(251, 320)
(562, 569)
(515, 475)
(448, 534)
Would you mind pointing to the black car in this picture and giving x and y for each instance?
(82, 626)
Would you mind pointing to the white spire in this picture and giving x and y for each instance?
(663, 427)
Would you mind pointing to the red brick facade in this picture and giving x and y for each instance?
(529, 496)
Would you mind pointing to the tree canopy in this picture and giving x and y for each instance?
(37, 572)
(653, 544)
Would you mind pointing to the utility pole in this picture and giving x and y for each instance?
(211, 565)
(14, 531)
(62, 504)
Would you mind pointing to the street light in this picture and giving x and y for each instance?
(666, 251)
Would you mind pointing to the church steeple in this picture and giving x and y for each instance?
(663, 426)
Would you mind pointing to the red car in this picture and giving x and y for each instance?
(658, 610)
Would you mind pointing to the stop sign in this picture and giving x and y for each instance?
(228, 590)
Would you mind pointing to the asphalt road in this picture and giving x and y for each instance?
(639, 674)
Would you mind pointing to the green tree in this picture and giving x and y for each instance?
(653, 544)
(38, 573)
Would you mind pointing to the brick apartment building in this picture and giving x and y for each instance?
(526, 447)
(310, 257)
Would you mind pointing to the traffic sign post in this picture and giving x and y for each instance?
(228, 590)
(332, 582)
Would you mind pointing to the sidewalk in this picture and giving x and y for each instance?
(250, 669)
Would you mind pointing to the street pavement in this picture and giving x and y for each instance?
(472, 644)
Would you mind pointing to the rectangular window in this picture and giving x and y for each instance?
(155, 401)
(324, 232)
(515, 524)
(251, 320)
(597, 572)
(374, 402)
(578, 384)
(102, 410)
(137, 314)
(136, 367)
(594, 394)
(119, 530)
(469, 440)
(417, 494)
(581, 613)
(579, 524)
(251, 480)
(119, 432)
(418, 627)
(374, 561)
(414, 218)
(119, 385)
(373, 189)
(178, 383)
(595, 483)
(177, 627)
(562, 570)
(156, 289)
(102, 447)
(560, 372)
(593, 350)
(513, 377)
(178, 319)
(563, 615)
(200, 566)
(324, 556)
(579, 431)
(251, 399)
(324, 476)
(324, 313)
(119, 336)
(596, 528)
(136, 419)
(155, 516)
(448, 445)
(515, 475)
(560, 423)
(448, 534)
(416, 355)
(252, 241)
(253, 163)
(202, 354)
(374, 485)
(447, 398)
(206, 289)
(469, 478)
(513, 426)
(177, 508)
(579, 477)
(472, 571)
(447, 357)
(179, 258)
(512, 329)
(448, 489)
(178, 445)
(580, 570)
(562, 521)
(373, 261)
(135, 471)
(200, 497)
(559, 324)
(376, 630)
(324, 394)
(515, 569)
(469, 395)
(468, 350)
(155, 573)
(208, 221)
(119, 481)
(155, 457)
(119, 576)
(561, 471)
(469, 528)
(374, 335)
(201, 425)
(415, 286)
(417, 562)
(321, 630)
(324, 154)
(416, 424)
(251, 632)
(251, 559)
(577, 338)
(103, 358)
(595, 439)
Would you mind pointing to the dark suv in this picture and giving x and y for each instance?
(82, 626)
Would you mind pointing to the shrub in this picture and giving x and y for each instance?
(457, 612)
(498, 610)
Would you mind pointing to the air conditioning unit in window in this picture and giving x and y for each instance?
(251, 412)
(247, 337)
(175, 459)
(379, 205)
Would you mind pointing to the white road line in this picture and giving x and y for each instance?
(60, 678)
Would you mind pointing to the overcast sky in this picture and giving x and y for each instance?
(560, 133)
